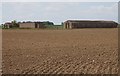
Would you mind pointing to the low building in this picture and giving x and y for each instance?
(7, 25)
(71, 24)
(31, 25)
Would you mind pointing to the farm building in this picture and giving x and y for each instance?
(70, 24)
(7, 25)
(31, 25)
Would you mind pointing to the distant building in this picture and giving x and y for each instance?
(31, 25)
(71, 24)
(7, 25)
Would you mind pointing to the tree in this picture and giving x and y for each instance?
(62, 23)
(48, 23)
(14, 23)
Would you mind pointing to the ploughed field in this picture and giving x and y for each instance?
(76, 51)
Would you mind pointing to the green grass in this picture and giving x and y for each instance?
(0, 27)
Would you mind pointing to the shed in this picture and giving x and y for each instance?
(31, 25)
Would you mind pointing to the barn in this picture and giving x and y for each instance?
(7, 25)
(71, 24)
(31, 25)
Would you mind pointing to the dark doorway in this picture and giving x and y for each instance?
(35, 25)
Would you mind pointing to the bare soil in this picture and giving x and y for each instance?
(76, 51)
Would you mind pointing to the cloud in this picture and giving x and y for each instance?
(110, 10)
(100, 12)
(0, 12)
(60, 0)
(59, 11)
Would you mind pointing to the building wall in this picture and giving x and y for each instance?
(39, 25)
(7, 26)
(27, 25)
(89, 24)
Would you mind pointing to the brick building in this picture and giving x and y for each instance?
(7, 25)
(71, 24)
(31, 25)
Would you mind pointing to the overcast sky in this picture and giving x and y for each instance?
(58, 12)
(60, 0)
